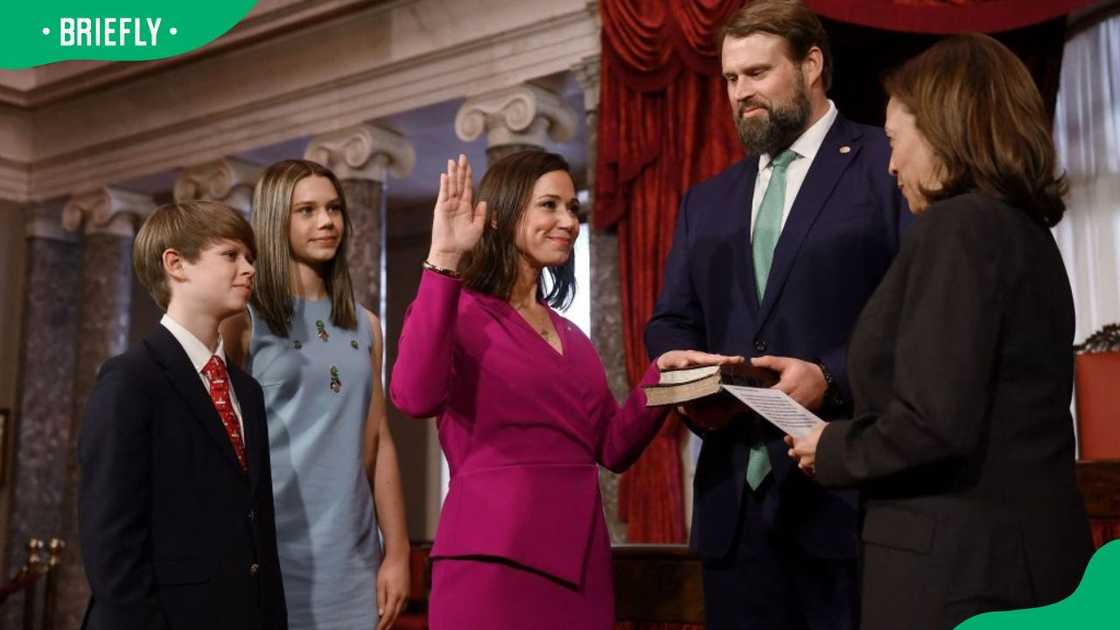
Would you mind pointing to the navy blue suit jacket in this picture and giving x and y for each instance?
(841, 235)
(173, 533)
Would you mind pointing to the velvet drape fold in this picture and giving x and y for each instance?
(667, 126)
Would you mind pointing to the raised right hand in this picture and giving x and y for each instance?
(456, 224)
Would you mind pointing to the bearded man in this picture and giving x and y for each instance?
(773, 259)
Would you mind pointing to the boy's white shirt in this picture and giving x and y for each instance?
(200, 355)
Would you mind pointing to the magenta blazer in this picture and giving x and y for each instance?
(524, 428)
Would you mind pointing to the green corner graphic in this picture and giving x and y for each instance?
(1092, 604)
(37, 33)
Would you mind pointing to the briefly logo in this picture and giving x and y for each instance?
(1090, 606)
(86, 32)
(46, 31)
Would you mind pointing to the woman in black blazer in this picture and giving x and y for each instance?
(960, 364)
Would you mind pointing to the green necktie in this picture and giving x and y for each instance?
(767, 228)
(758, 465)
(768, 222)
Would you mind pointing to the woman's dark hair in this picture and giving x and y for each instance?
(979, 109)
(507, 188)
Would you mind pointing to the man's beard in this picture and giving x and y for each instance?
(783, 122)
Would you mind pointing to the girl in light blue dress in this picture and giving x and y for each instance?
(317, 355)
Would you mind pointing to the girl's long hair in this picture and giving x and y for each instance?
(271, 219)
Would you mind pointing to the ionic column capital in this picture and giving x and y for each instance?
(587, 74)
(228, 180)
(592, 8)
(45, 222)
(363, 152)
(106, 210)
(523, 114)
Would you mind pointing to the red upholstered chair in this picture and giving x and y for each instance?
(1097, 366)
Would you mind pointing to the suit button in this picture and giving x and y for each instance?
(254, 568)
(251, 515)
(760, 345)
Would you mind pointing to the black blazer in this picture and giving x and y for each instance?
(962, 441)
(841, 235)
(173, 533)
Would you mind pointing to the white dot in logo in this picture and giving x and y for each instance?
(174, 31)
(46, 30)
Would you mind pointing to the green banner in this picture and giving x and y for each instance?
(1093, 605)
(37, 33)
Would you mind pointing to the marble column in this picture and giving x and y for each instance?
(522, 117)
(363, 157)
(107, 218)
(45, 399)
(228, 180)
(606, 301)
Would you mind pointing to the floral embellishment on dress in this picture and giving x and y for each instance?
(297, 344)
(354, 344)
(336, 383)
(321, 330)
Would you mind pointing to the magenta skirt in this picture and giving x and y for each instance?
(494, 594)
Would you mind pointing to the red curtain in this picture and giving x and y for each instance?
(945, 16)
(664, 125)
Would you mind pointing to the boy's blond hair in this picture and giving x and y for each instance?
(187, 227)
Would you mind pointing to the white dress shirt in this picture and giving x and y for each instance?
(806, 146)
(200, 355)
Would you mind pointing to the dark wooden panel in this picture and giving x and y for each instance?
(1100, 486)
(657, 583)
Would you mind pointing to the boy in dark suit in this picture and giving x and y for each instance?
(175, 500)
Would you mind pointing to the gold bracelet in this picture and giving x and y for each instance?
(450, 273)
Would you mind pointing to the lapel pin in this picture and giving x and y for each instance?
(845, 149)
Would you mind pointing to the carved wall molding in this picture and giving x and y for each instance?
(586, 72)
(15, 181)
(422, 53)
(363, 152)
(106, 210)
(523, 115)
(228, 180)
(45, 222)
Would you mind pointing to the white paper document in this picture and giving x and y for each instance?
(777, 408)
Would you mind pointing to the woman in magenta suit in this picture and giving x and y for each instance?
(524, 414)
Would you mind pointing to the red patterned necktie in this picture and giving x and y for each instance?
(215, 370)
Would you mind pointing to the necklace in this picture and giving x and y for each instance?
(540, 327)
